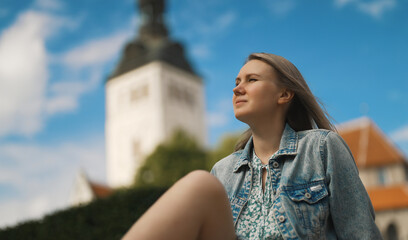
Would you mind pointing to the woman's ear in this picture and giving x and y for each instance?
(285, 96)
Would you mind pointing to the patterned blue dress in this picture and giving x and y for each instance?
(256, 220)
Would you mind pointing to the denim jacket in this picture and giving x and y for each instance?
(318, 193)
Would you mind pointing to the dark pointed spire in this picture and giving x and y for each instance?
(152, 23)
(152, 43)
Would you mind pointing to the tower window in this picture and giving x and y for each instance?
(139, 93)
(182, 95)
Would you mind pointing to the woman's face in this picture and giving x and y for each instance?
(256, 93)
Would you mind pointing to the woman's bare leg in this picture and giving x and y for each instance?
(196, 207)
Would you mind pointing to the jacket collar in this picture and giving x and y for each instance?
(287, 146)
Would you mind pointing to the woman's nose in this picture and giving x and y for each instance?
(238, 90)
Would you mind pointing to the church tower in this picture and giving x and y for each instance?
(152, 92)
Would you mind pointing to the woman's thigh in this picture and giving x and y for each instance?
(196, 207)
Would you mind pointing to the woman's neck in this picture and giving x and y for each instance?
(266, 139)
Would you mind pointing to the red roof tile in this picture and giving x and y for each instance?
(389, 197)
(369, 146)
(99, 190)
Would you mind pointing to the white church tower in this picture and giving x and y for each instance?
(152, 92)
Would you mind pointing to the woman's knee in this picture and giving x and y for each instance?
(205, 183)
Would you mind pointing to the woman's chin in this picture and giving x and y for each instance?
(242, 117)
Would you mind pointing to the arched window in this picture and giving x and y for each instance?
(391, 232)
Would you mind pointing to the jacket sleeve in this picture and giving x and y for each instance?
(213, 172)
(350, 207)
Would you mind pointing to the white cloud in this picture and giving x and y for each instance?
(374, 8)
(201, 51)
(281, 7)
(42, 177)
(94, 52)
(341, 3)
(205, 33)
(23, 72)
(216, 119)
(27, 98)
(225, 21)
(220, 24)
(61, 104)
(377, 8)
(221, 116)
(209, 29)
(89, 58)
(49, 4)
(400, 135)
(65, 95)
(394, 95)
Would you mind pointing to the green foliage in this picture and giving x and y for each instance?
(108, 218)
(171, 161)
(223, 149)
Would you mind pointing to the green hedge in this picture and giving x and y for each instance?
(107, 218)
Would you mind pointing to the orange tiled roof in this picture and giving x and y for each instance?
(390, 197)
(369, 146)
(99, 190)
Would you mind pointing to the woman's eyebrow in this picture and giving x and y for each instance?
(248, 75)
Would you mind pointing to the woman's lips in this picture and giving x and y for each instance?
(240, 101)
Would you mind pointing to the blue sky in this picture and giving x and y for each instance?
(55, 56)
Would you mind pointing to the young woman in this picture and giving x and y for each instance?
(292, 176)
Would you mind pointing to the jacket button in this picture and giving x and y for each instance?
(308, 195)
(275, 164)
(281, 218)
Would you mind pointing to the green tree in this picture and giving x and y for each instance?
(223, 149)
(170, 161)
(108, 218)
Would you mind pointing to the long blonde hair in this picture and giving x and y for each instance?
(305, 110)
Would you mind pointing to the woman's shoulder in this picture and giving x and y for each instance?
(314, 133)
(227, 163)
(320, 137)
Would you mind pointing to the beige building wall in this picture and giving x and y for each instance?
(369, 177)
(386, 220)
(386, 175)
(81, 192)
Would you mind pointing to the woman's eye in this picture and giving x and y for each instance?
(252, 80)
